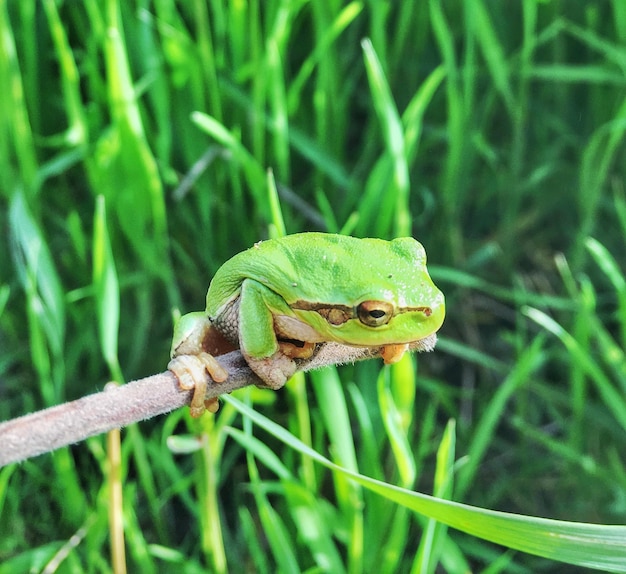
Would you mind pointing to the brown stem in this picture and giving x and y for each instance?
(114, 407)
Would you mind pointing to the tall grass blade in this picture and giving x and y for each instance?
(432, 542)
(19, 158)
(40, 280)
(331, 398)
(397, 190)
(106, 291)
(611, 269)
(491, 47)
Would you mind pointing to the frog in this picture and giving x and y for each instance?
(305, 300)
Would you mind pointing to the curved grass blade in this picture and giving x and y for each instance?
(597, 546)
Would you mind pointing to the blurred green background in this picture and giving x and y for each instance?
(135, 143)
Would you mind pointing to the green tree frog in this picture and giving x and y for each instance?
(304, 301)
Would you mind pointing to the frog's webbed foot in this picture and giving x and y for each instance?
(276, 369)
(191, 372)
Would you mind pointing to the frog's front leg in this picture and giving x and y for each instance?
(195, 344)
(267, 339)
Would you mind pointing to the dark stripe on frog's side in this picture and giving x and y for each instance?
(308, 306)
(370, 313)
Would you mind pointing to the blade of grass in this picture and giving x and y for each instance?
(329, 34)
(609, 266)
(582, 329)
(601, 547)
(277, 222)
(491, 48)
(40, 280)
(275, 52)
(16, 138)
(258, 551)
(413, 116)
(453, 183)
(597, 159)
(483, 435)
(77, 131)
(300, 420)
(397, 193)
(274, 528)
(619, 18)
(332, 403)
(210, 460)
(311, 517)
(303, 504)
(396, 432)
(207, 82)
(254, 173)
(106, 291)
(431, 544)
(331, 109)
(115, 495)
(514, 294)
(123, 167)
(612, 398)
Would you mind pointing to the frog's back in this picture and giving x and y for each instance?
(337, 269)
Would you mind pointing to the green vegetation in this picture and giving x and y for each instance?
(135, 143)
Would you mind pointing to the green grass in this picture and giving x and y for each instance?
(135, 144)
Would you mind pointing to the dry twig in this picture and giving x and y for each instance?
(114, 407)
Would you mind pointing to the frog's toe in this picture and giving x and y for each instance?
(192, 373)
(189, 370)
(218, 373)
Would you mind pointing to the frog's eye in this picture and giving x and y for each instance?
(374, 313)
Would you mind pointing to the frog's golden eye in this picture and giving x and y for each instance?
(374, 313)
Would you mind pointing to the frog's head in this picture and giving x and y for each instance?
(388, 299)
